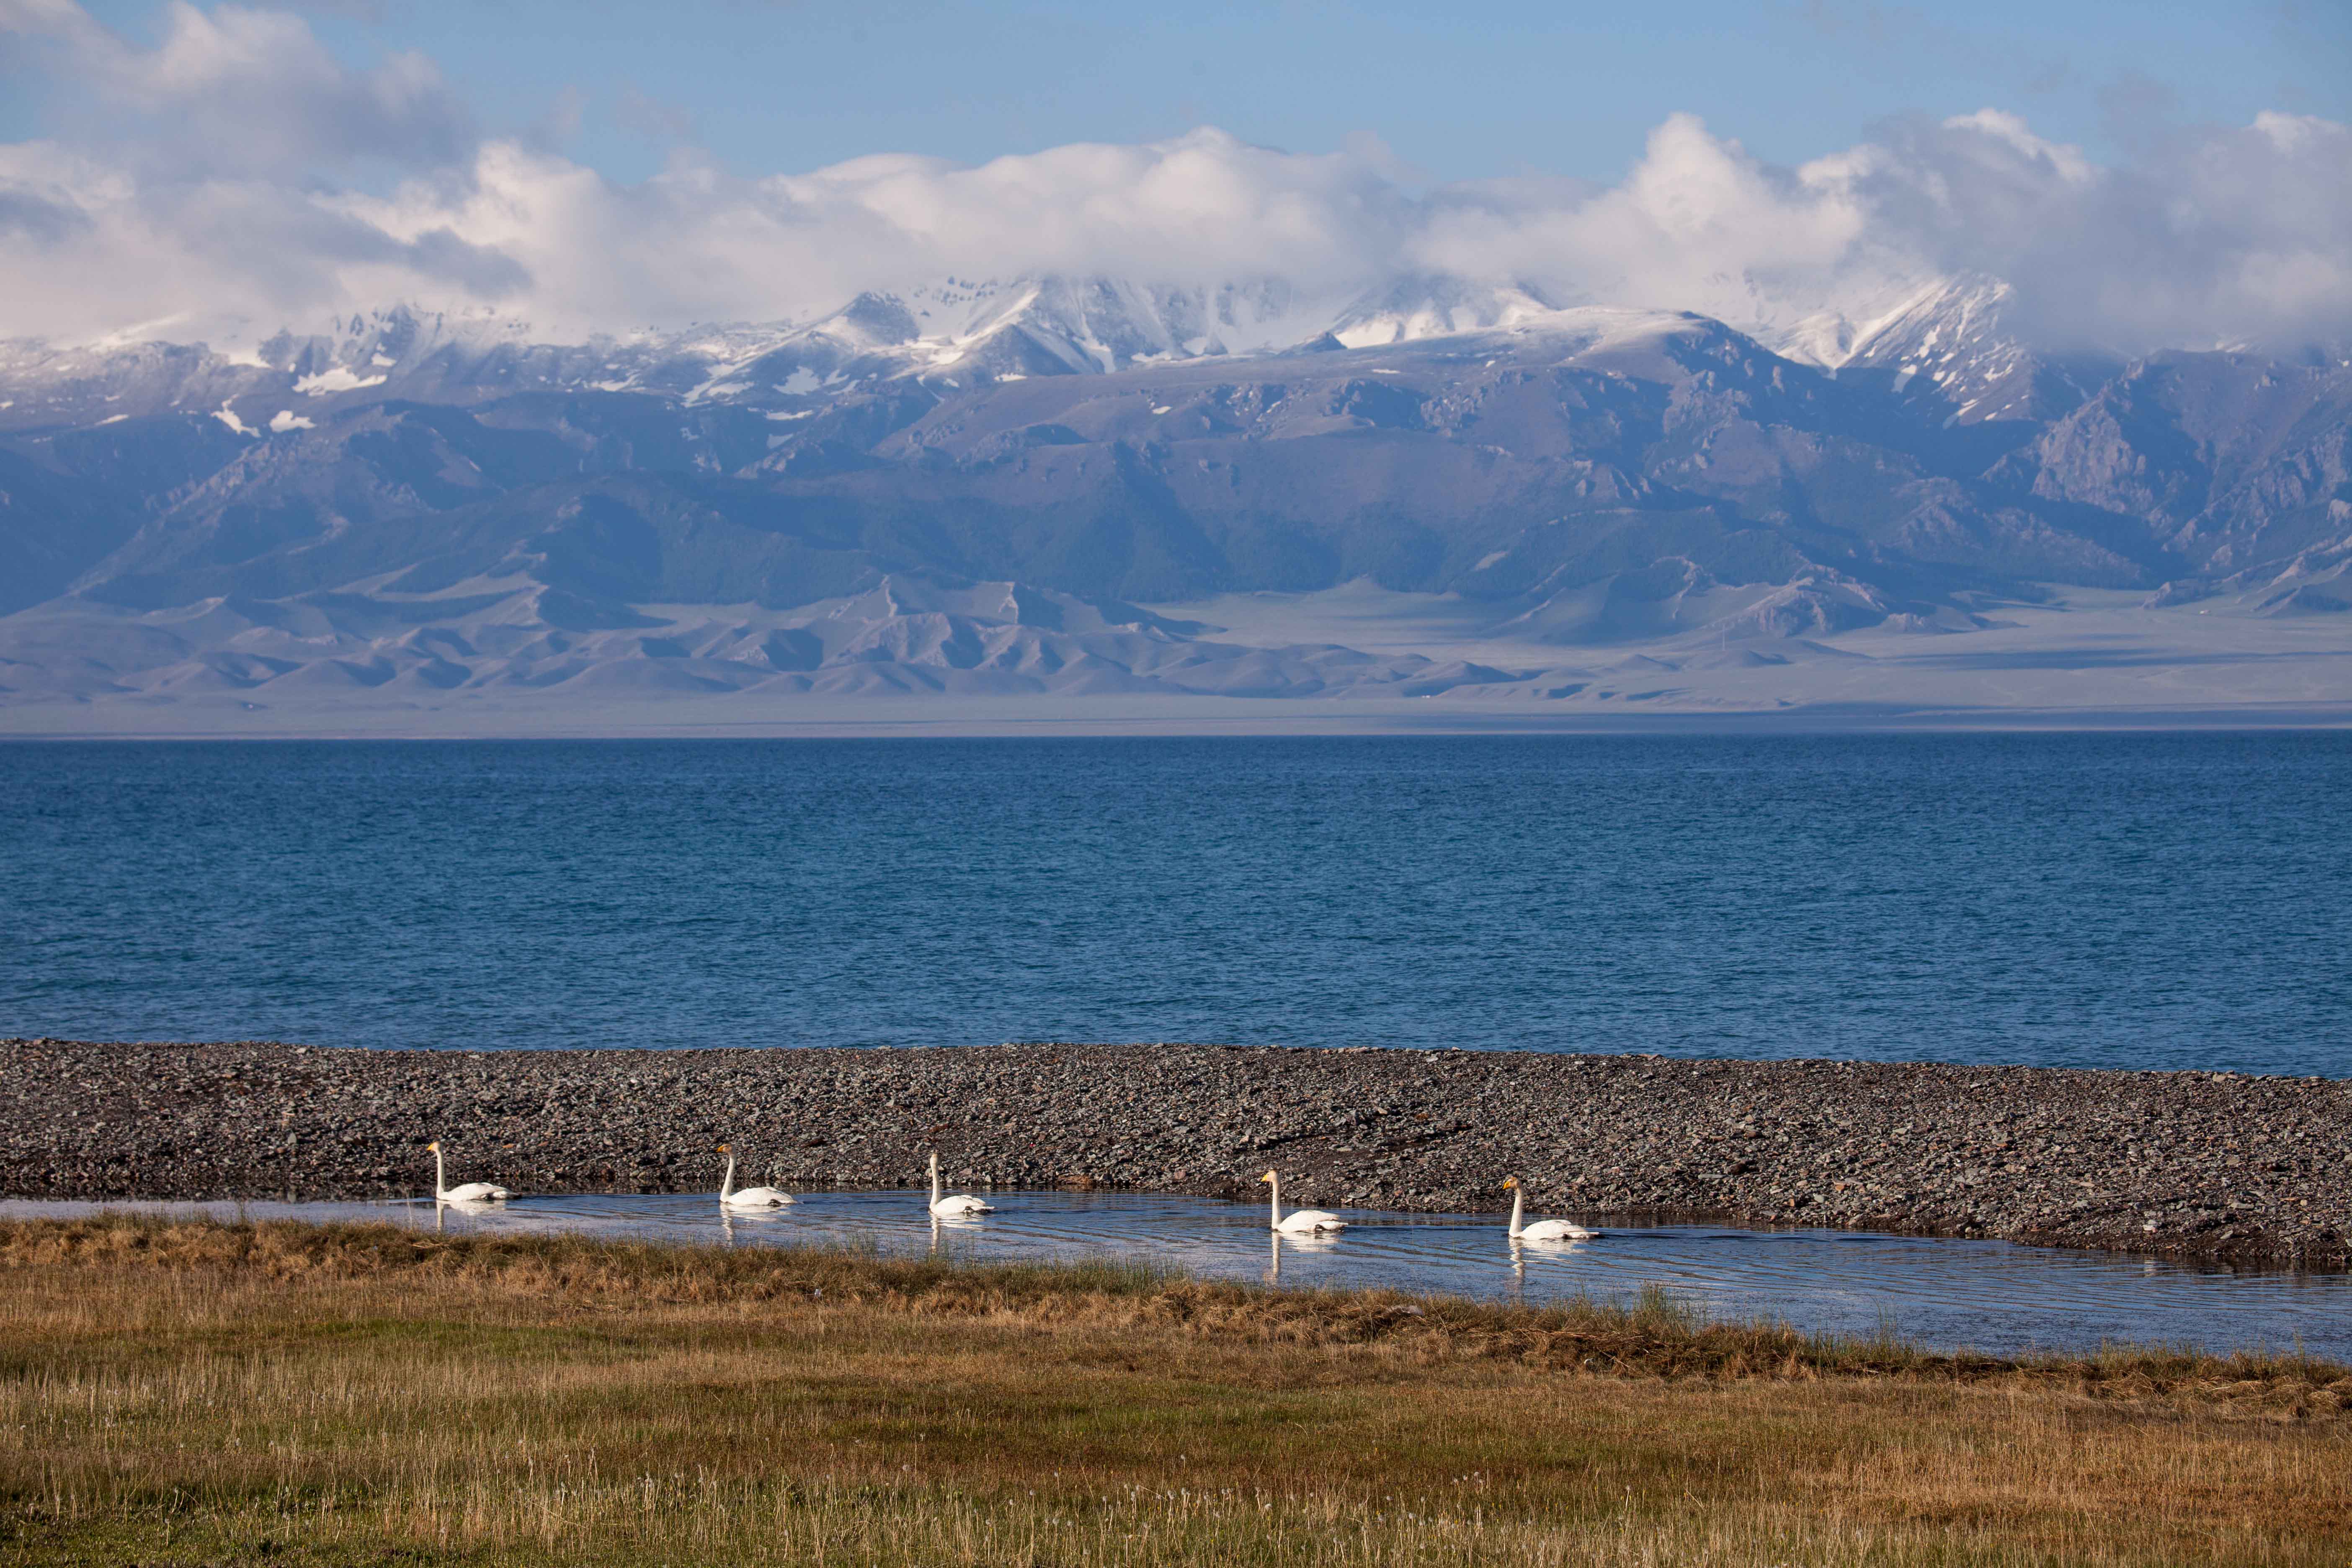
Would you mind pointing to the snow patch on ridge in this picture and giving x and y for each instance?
(326, 383)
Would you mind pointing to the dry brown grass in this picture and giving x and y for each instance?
(209, 1394)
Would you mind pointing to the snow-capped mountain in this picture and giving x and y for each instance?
(1950, 337)
(955, 334)
(951, 335)
(1946, 340)
(985, 489)
(1435, 306)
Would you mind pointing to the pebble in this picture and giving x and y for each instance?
(2210, 1167)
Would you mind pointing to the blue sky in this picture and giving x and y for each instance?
(2135, 176)
(1456, 91)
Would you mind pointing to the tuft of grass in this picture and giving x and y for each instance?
(175, 1392)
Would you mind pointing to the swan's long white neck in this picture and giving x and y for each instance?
(935, 1176)
(1518, 1207)
(1273, 1185)
(440, 1177)
(727, 1182)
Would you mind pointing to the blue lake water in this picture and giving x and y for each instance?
(1983, 1295)
(2104, 900)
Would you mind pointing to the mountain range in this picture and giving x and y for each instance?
(1091, 497)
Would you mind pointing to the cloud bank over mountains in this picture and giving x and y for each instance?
(235, 177)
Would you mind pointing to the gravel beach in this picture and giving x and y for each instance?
(2207, 1166)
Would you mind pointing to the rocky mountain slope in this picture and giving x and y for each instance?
(971, 490)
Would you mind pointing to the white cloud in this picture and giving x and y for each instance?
(240, 195)
(240, 90)
(1698, 225)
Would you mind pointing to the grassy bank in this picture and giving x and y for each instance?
(203, 1394)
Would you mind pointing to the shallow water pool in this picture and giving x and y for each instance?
(1945, 1294)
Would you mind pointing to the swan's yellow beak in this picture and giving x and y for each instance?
(725, 1149)
(1510, 1182)
(1268, 1177)
(433, 1147)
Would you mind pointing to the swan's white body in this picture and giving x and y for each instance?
(471, 1193)
(954, 1204)
(1301, 1222)
(1543, 1229)
(749, 1197)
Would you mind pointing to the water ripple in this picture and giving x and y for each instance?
(2095, 901)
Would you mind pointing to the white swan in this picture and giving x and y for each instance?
(749, 1197)
(471, 1193)
(1304, 1222)
(1543, 1229)
(957, 1204)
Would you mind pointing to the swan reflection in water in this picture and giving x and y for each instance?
(946, 1225)
(753, 1221)
(1559, 1246)
(1297, 1241)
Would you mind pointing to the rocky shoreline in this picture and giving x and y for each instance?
(2217, 1167)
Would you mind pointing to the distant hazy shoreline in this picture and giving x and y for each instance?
(2194, 1165)
(1290, 719)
